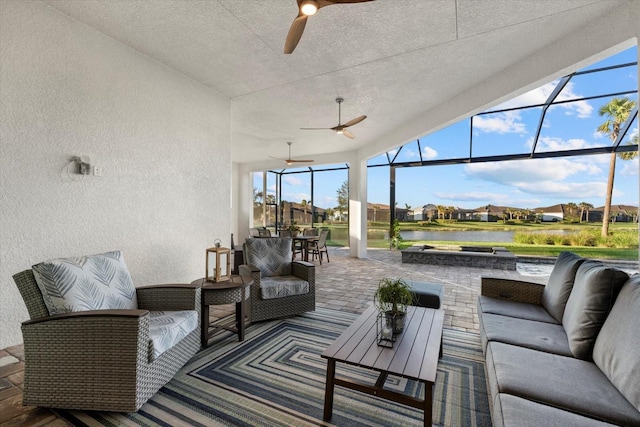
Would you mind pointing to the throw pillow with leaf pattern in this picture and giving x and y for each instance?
(93, 282)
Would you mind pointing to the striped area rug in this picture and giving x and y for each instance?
(276, 377)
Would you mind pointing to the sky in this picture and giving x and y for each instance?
(523, 183)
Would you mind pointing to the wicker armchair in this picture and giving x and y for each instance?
(280, 287)
(103, 359)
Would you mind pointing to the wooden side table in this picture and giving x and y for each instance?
(231, 291)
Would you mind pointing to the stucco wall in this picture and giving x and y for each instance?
(161, 139)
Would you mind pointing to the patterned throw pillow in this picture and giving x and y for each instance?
(93, 282)
(272, 256)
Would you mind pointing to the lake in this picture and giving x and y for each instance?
(467, 236)
(460, 236)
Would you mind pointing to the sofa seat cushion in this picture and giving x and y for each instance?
(556, 292)
(92, 282)
(564, 382)
(540, 336)
(617, 348)
(282, 286)
(515, 411)
(594, 292)
(167, 328)
(517, 309)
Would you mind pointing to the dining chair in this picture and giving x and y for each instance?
(317, 248)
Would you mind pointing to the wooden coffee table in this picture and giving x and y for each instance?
(414, 355)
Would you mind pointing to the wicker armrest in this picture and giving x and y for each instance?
(83, 331)
(306, 271)
(250, 272)
(80, 346)
(88, 314)
(169, 297)
(512, 289)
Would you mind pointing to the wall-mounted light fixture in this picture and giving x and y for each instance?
(83, 164)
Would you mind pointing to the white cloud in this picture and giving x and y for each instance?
(295, 197)
(550, 143)
(407, 152)
(429, 153)
(565, 189)
(291, 180)
(327, 201)
(473, 197)
(507, 122)
(525, 171)
(540, 95)
(630, 168)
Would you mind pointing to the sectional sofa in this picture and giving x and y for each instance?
(566, 353)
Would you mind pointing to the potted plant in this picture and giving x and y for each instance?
(392, 298)
(294, 228)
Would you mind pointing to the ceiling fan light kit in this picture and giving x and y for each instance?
(341, 129)
(289, 161)
(308, 8)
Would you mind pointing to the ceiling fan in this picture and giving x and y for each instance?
(308, 8)
(341, 129)
(289, 161)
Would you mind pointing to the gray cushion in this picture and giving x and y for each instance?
(563, 382)
(272, 256)
(541, 336)
(558, 289)
(594, 292)
(167, 328)
(428, 295)
(515, 411)
(92, 282)
(617, 348)
(282, 286)
(517, 309)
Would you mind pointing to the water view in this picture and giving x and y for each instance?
(459, 236)
(466, 236)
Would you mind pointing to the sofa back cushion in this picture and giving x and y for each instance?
(93, 282)
(594, 292)
(272, 256)
(617, 348)
(558, 289)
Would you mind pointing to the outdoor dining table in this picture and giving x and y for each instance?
(305, 240)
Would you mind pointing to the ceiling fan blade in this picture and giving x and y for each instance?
(348, 134)
(295, 33)
(354, 121)
(322, 3)
(317, 129)
(289, 161)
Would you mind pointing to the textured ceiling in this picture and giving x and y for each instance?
(392, 60)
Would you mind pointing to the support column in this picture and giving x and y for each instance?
(358, 208)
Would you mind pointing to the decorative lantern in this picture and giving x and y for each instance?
(219, 274)
(385, 330)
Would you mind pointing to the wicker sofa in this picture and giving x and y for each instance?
(101, 358)
(566, 353)
(280, 287)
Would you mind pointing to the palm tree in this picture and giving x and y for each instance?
(330, 214)
(451, 210)
(572, 208)
(617, 111)
(441, 210)
(585, 207)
